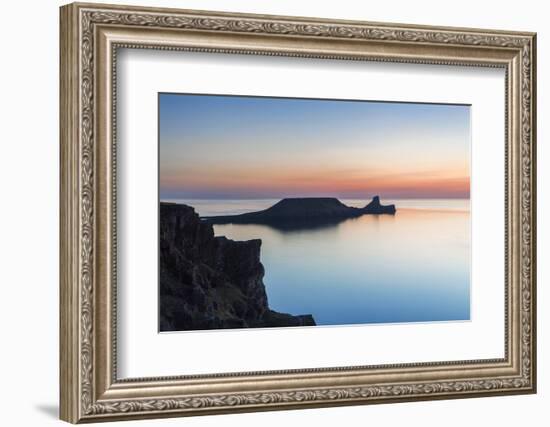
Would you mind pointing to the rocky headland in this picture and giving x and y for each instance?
(308, 211)
(209, 282)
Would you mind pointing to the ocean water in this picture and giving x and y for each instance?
(413, 266)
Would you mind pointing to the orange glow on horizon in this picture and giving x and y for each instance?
(440, 183)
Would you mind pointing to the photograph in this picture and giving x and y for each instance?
(277, 212)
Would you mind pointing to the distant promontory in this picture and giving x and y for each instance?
(306, 211)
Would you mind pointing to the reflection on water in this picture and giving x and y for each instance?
(408, 267)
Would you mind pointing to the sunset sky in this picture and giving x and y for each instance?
(232, 147)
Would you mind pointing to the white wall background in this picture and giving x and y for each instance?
(29, 170)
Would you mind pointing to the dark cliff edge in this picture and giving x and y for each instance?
(306, 211)
(209, 282)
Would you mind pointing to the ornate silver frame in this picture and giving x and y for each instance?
(90, 36)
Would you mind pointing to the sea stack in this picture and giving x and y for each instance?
(375, 208)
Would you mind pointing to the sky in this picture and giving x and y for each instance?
(236, 147)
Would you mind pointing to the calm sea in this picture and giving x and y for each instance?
(413, 266)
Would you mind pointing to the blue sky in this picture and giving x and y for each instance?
(257, 147)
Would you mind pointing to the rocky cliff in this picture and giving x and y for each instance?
(209, 282)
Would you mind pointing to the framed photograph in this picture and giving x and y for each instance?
(266, 212)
